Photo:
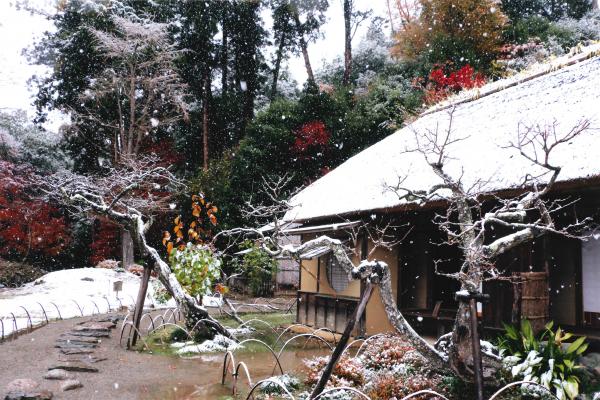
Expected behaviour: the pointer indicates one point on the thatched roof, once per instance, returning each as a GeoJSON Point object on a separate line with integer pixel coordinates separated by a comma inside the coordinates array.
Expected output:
{"type": "Point", "coordinates": [563, 93]}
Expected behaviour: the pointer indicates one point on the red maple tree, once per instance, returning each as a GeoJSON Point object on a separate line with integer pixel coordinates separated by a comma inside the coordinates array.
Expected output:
{"type": "Point", "coordinates": [28, 225]}
{"type": "Point", "coordinates": [443, 81]}
{"type": "Point", "coordinates": [311, 135]}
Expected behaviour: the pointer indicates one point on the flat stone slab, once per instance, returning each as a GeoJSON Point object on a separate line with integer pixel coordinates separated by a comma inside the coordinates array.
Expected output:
{"type": "Point", "coordinates": [58, 374]}
{"type": "Point", "coordinates": [79, 350]}
{"type": "Point", "coordinates": [74, 366]}
{"type": "Point", "coordinates": [26, 389]}
{"type": "Point", "coordinates": [85, 328]}
{"type": "Point", "coordinates": [81, 358]}
{"type": "Point", "coordinates": [22, 385]}
{"type": "Point", "coordinates": [33, 395]}
{"type": "Point", "coordinates": [71, 345]}
{"type": "Point", "coordinates": [77, 339]}
{"type": "Point", "coordinates": [70, 385]}
{"type": "Point", "coordinates": [96, 325]}
{"type": "Point", "coordinates": [97, 334]}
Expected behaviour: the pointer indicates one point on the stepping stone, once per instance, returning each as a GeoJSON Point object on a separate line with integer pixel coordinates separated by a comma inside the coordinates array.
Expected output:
{"type": "Point", "coordinates": [26, 389]}
{"type": "Point", "coordinates": [76, 351]}
{"type": "Point", "coordinates": [96, 325]}
{"type": "Point", "coordinates": [70, 385]}
{"type": "Point", "coordinates": [72, 345]}
{"type": "Point", "coordinates": [96, 334]}
{"type": "Point", "coordinates": [34, 395]}
{"type": "Point", "coordinates": [114, 318]}
{"type": "Point", "coordinates": [58, 374]}
{"type": "Point", "coordinates": [82, 358]}
{"type": "Point", "coordinates": [86, 328]}
{"type": "Point", "coordinates": [76, 366]}
{"type": "Point", "coordinates": [22, 385]}
{"type": "Point", "coordinates": [80, 339]}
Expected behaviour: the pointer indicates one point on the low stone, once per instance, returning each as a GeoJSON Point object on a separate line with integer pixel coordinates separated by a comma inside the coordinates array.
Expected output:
{"type": "Point", "coordinates": [75, 366]}
{"type": "Point", "coordinates": [90, 334]}
{"type": "Point", "coordinates": [57, 374]}
{"type": "Point", "coordinates": [76, 350]}
{"type": "Point", "coordinates": [82, 358]}
{"type": "Point", "coordinates": [70, 385]}
{"type": "Point", "coordinates": [33, 395]}
{"type": "Point", "coordinates": [22, 385]}
{"type": "Point", "coordinates": [71, 345]}
{"type": "Point", "coordinates": [97, 325]}
{"type": "Point", "coordinates": [78, 339]}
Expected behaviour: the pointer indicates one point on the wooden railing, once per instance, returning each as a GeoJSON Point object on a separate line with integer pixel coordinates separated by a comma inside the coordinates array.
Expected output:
{"type": "Point", "coordinates": [325, 311]}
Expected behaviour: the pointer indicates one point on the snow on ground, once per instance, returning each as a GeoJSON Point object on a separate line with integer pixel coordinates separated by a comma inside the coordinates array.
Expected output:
{"type": "Point", "coordinates": [73, 292]}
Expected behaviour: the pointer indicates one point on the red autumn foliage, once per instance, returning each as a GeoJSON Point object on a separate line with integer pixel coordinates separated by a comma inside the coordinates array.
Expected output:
{"type": "Point", "coordinates": [28, 225]}
{"type": "Point", "coordinates": [311, 135]}
{"type": "Point", "coordinates": [105, 241]}
{"type": "Point", "coordinates": [444, 82]}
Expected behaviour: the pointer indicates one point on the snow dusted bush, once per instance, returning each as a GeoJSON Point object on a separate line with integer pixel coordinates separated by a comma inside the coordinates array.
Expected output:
{"type": "Point", "coordinates": [219, 343]}
{"type": "Point", "coordinates": [582, 30]}
{"type": "Point", "coordinates": [385, 353]}
{"type": "Point", "coordinates": [347, 372]}
{"type": "Point", "coordinates": [291, 383]}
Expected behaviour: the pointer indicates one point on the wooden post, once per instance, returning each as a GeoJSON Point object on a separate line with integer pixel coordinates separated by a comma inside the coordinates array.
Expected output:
{"type": "Point", "coordinates": [471, 298]}
{"type": "Point", "coordinates": [139, 304]}
{"type": "Point", "coordinates": [477, 365]}
{"type": "Point", "coordinates": [337, 352]}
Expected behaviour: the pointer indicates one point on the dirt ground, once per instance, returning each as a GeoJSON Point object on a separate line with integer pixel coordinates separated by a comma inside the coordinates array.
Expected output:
{"type": "Point", "coordinates": [123, 375]}
{"type": "Point", "coordinates": [134, 375]}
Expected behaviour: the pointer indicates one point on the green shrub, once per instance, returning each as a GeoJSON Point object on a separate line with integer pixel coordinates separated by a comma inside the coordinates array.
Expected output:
{"type": "Point", "coordinates": [260, 268]}
{"type": "Point", "coordinates": [196, 268]}
{"type": "Point", "coordinates": [546, 358]}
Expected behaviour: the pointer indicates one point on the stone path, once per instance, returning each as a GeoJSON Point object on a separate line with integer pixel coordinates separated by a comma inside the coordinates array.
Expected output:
{"type": "Point", "coordinates": [79, 352]}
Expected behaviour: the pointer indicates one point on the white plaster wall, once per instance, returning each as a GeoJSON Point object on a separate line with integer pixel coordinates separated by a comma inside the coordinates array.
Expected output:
{"type": "Point", "coordinates": [591, 273]}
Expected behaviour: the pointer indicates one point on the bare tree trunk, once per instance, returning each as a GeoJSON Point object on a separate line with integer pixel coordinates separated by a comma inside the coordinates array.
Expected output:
{"type": "Point", "coordinates": [277, 66]}
{"type": "Point", "coordinates": [139, 304]}
{"type": "Point", "coordinates": [224, 54]}
{"type": "Point", "coordinates": [304, 48]}
{"type": "Point", "coordinates": [391, 18]}
{"type": "Point", "coordinates": [127, 254]}
{"type": "Point", "coordinates": [205, 120]}
{"type": "Point", "coordinates": [347, 42]}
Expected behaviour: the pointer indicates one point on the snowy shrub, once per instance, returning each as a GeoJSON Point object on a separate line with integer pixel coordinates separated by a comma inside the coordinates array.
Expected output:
{"type": "Point", "coordinates": [384, 353]}
{"type": "Point", "coordinates": [582, 30]}
{"type": "Point", "coordinates": [217, 344]}
{"type": "Point", "coordinates": [291, 383]}
{"type": "Point", "coordinates": [347, 372]}
{"type": "Point", "coordinates": [547, 358]}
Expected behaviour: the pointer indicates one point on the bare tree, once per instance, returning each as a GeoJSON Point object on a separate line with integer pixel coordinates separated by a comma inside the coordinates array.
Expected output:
{"type": "Point", "coordinates": [472, 228]}
{"type": "Point", "coordinates": [132, 195]}
{"type": "Point", "coordinates": [141, 83]}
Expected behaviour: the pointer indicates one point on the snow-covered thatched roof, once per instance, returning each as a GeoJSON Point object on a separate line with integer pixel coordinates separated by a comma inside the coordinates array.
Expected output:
{"type": "Point", "coordinates": [564, 94]}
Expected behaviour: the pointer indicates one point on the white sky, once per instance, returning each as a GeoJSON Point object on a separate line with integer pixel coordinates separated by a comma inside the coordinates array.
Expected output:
{"type": "Point", "coordinates": [18, 29]}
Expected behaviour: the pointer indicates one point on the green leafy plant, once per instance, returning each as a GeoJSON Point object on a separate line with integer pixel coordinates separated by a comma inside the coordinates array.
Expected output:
{"type": "Point", "coordinates": [547, 358]}
{"type": "Point", "coordinates": [259, 267]}
{"type": "Point", "coordinates": [196, 268]}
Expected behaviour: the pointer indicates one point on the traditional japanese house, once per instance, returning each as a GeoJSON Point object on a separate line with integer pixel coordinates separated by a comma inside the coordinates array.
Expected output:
{"type": "Point", "coordinates": [559, 277]}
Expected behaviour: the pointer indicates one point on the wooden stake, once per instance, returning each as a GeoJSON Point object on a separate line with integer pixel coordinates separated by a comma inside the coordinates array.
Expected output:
{"type": "Point", "coordinates": [139, 304]}
{"type": "Point", "coordinates": [337, 352]}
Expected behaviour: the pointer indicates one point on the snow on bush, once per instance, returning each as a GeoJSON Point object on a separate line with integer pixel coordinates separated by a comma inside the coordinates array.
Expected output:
{"type": "Point", "coordinates": [218, 343]}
